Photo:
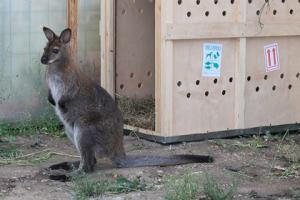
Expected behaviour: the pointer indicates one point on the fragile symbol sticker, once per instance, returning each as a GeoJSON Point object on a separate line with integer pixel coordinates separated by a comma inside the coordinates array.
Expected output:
{"type": "Point", "coordinates": [271, 57]}
{"type": "Point", "coordinates": [212, 56]}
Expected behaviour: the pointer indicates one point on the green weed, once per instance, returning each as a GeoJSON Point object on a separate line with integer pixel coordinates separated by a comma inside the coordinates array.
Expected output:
{"type": "Point", "coordinates": [11, 155]}
{"type": "Point", "coordinates": [190, 186]}
{"type": "Point", "coordinates": [46, 125]}
{"type": "Point", "coordinates": [184, 188]}
{"type": "Point", "coordinates": [83, 187]}
{"type": "Point", "coordinates": [292, 171]}
{"type": "Point", "coordinates": [228, 146]}
{"type": "Point", "coordinates": [257, 142]}
{"type": "Point", "coordinates": [295, 193]}
{"type": "Point", "coordinates": [214, 191]}
{"type": "Point", "coordinates": [288, 150]}
{"type": "Point", "coordinates": [9, 152]}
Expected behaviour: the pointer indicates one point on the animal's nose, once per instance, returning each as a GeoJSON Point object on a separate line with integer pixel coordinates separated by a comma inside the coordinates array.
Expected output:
{"type": "Point", "coordinates": [44, 60]}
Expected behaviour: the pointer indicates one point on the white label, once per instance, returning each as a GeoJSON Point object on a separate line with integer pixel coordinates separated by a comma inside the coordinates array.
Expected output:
{"type": "Point", "coordinates": [271, 57]}
{"type": "Point", "coordinates": [212, 56]}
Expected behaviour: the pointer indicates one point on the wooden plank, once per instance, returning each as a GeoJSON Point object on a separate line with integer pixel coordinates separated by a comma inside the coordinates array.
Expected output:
{"type": "Point", "coordinates": [166, 73]}
{"type": "Point", "coordinates": [135, 48]}
{"type": "Point", "coordinates": [73, 25]}
{"type": "Point", "coordinates": [141, 130]}
{"type": "Point", "coordinates": [158, 24]}
{"type": "Point", "coordinates": [271, 29]}
{"type": "Point", "coordinates": [203, 104]}
{"type": "Point", "coordinates": [272, 98]}
{"type": "Point", "coordinates": [107, 27]}
{"type": "Point", "coordinates": [240, 34]}
{"type": "Point", "coordinates": [207, 11]}
{"type": "Point", "coordinates": [154, 137]}
{"type": "Point", "coordinates": [266, 11]}
{"type": "Point", "coordinates": [202, 31]}
{"type": "Point", "coordinates": [240, 72]}
{"type": "Point", "coordinates": [229, 30]}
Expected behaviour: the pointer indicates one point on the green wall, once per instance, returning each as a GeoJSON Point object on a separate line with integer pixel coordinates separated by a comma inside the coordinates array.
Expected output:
{"type": "Point", "coordinates": [22, 85]}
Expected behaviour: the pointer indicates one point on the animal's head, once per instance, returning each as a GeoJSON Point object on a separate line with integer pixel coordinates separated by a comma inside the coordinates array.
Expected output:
{"type": "Point", "coordinates": [56, 47]}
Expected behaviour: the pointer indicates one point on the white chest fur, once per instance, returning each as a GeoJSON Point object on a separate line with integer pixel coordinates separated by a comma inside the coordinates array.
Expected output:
{"type": "Point", "coordinates": [57, 87]}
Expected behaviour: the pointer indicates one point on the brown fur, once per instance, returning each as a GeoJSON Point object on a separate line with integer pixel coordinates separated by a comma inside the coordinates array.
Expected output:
{"type": "Point", "coordinates": [92, 120]}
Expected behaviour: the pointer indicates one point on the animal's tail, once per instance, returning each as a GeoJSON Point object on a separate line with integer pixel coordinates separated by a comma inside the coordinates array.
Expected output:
{"type": "Point", "coordinates": [142, 161]}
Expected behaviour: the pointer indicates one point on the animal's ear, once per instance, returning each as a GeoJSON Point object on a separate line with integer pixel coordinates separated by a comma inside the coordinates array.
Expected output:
{"type": "Point", "coordinates": [50, 35]}
{"type": "Point", "coordinates": [65, 36]}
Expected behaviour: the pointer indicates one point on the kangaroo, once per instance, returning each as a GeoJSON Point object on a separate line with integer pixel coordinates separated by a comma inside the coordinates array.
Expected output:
{"type": "Point", "coordinates": [92, 120]}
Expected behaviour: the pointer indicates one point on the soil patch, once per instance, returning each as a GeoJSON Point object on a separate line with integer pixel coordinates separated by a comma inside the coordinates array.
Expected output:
{"type": "Point", "coordinates": [266, 167]}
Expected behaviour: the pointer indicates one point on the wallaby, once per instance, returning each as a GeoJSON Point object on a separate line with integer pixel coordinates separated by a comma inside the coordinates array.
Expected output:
{"type": "Point", "coordinates": [92, 120]}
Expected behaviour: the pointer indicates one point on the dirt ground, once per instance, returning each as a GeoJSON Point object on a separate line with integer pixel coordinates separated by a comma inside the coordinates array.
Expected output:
{"type": "Point", "coordinates": [266, 167]}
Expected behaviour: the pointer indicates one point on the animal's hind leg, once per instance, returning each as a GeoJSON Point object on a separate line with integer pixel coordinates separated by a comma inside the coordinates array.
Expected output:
{"type": "Point", "coordinates": [86, 147]}
{"type": "Point", "coordinates": [88, 160]}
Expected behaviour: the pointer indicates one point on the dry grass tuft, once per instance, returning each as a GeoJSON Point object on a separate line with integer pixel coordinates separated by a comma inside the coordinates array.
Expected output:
{"type": "Point", "coordinates": [138, 112]}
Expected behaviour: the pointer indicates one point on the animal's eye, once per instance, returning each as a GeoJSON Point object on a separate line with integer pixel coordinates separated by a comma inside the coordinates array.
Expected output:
{"type": "Point", "coordinates": [55, 50]}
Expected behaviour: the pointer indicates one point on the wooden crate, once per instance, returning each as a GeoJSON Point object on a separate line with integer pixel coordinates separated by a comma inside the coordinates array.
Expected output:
{"type": "Point", "coordinates": [245, 98]}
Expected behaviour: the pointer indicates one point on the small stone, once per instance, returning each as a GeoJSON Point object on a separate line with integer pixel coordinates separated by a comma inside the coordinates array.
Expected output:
{"type": "Point", "coordinates": [118, 198]}
{"type": "Point", "coordinates": [202, 197]}
{"type": "Point", "coordinates": [114, 176]}
{"type": "Point", "coordinates": [140, 173]}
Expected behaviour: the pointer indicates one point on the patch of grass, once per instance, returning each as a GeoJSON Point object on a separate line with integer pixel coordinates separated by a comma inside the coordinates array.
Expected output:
{"type": "Point", "coordinates": [292, 171]}
{"type": "Point", "coordinates": [11, 155]}
{"type": "Point", "coordinates": [190, 186]}
{"type": "Point", "coordinates": [214, 191]}
{"type": "Point", "coordinates": [273, 137]}
{"type": "Point", "coordinates": [84, 188]}
{"type": "Point", "coordinates": [46, 125]}
{"type": "Point", "coordinates": [9, 152]}
{"type": "Point", "coordinates": [8, 139]}
{"type": "Point", "coordinates": [288, 149]}
{"type": "Point", "coordinates": [295, 193]}
{"type": "Point", "coordinates": [289, 152]}
{"type": "Point", "coordinates": [257, 142]}
{"type": "Point", "coordinates": [123, 185]}
{"type": "Point", "coordinates": [185, 188]}
{"type": "Point", "coordinates": [138, 112]}
{"type": "Point", "coordinates": [228, 146]}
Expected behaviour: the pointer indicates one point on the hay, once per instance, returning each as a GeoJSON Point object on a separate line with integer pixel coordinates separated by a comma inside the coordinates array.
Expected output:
{"type": "Point", "coordinates": [138, 112]}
